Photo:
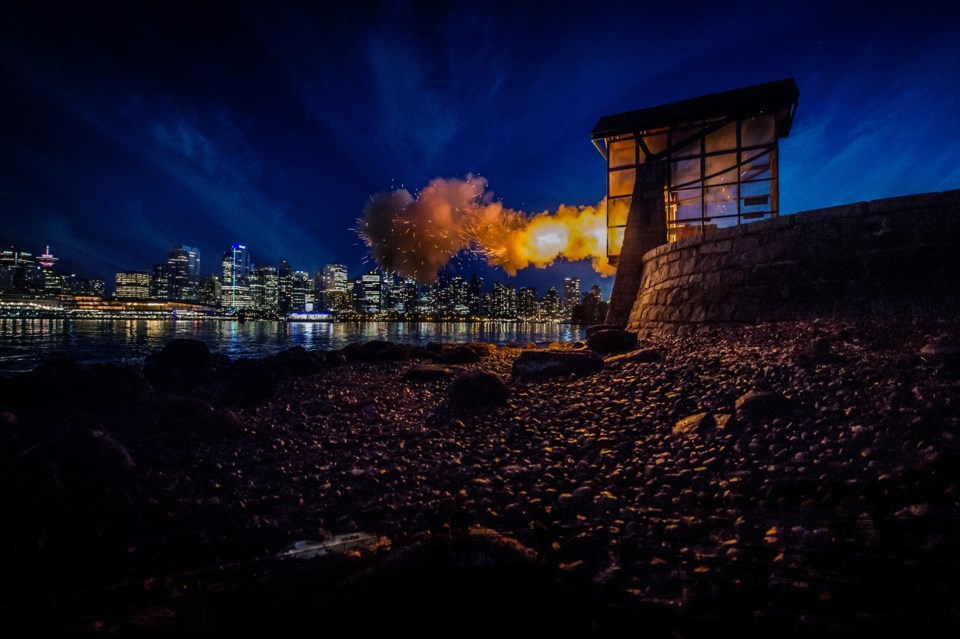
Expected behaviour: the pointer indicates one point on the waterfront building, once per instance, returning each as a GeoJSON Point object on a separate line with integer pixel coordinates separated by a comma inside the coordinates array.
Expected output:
{"type": "Point", "coordinates": [502, 301]}
{"type": "Point", "coordinates": [19, 272]}
{"type": "Point", "coordinates": [527, 303]}
{"type": "Point", "coordinates": [301, 294]}
{"type": "Point", "coordinates": [571, 295]}
{"type": "Point", "coordinates": [85, 287]}
{"type": "Point", "coordinates": [55, 283]}
{"type": "Point", "coordinates": [132, 285]}
{"type": "Point", "coordinates": [235, 279]}
{"type": "Point", "coordinates": [159, 282]}
{"type": "Point", "coordinates": [371, 284]}
{"type": "Point", "coordinates": [183, 273]}
{"type": "Point", "coordinates": [264, 290]}
{"type": "Point", "coordinates": [285, 285]}
{"type": "Point", "coordinates": [551, 306]}
{"type": "Point", "coordinates": [335, 287]}
{"type": "Point", "coordinates": [460, 296]}
{"type": "Point", "coordinates": [209, 291]}
{"type": "Point", "coordinates": [476, 296]}
{"type": "Point", "coordinates": [406, 297]}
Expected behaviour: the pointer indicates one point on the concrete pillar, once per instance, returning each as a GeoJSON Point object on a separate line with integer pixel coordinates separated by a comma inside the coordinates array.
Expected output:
{"type": "Point", "coordinates": [646, 229]}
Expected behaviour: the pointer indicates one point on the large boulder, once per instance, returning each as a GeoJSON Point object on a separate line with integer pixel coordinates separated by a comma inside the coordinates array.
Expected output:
{"type": "Point", "coordinates": [190, 354]}
{"type": "Point", "coordinates": [297, 361]}
{"type": "Point", "coordinates": [758, 405]}
{"type": "Point", "coordinates": [247, 382]}
{"type": "Point", "coordinates": [596, 328]}
{"type": "Point", "coordinates": [478, 390]}
{"type": "Point", "coordinates": [549, 363]}
{"type": "Point", "coordinates": [378, 350]}
{"type": "Point", "coordinates": [612, 340]}
{"type": "Point", "coordinates": [459, 355]}
{"type": "Point", "coordinates": [87, 461]}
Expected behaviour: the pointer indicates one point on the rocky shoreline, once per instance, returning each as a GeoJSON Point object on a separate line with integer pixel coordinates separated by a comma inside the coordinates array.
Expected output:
{"type": "Point", "coordinates": [798, 477]}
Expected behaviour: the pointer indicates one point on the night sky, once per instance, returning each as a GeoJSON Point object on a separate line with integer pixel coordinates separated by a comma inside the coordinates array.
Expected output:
{"type": "Point", "coordinates": [127, 130]}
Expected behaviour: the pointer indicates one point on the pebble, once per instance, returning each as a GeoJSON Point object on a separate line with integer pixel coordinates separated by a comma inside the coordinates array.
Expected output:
{"type": "Point", "coordinates": [370, 445]}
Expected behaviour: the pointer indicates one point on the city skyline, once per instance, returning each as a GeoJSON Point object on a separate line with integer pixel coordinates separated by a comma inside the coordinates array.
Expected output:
{"type": "Point", "coordinates": [55, 265]}
{"type": "Point", "coordinates": [33, 284]}
{"type": "Point", "coordinates": [132, 129]}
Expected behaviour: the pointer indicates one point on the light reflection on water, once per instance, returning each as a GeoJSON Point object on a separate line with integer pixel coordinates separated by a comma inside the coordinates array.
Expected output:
{"type": "Point", "coordinates": [26, 342]}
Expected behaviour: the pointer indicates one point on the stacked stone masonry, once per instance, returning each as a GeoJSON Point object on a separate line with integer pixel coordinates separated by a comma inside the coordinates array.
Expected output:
{"type": "Point", "coordinates": [847, 259]}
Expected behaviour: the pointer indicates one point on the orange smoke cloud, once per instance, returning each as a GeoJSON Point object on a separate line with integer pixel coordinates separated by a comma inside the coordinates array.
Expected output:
{"type": "Point", "coordinates": [416, 236]}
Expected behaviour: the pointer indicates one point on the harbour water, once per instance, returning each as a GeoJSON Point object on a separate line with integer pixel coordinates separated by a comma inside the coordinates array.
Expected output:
{"type": "Point", "coordinates": [24, 343]}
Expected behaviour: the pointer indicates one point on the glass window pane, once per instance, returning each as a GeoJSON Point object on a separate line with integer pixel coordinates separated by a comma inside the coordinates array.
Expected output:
{"type": "Point", "coordinates": [617, 210]}
{"type": "Point", "coordinates": [678, 135]}
{"type": "Point", "coordinates": [622, 153]}
{"type": "Point", "coordinates": [757, 131]}
{"type": "Point", "coordinates": [689, 204]}
{"type": "Point", "coordinates": [685, 171]}
{"type": "Point", "coordinates": [721, 167]}
{"type": "Point", "coordinates": [655, 143]}
{"type": "Point", "coordinates": [621, 182]}
{"type": "Point", "coordinates": [755, 167]}
{"type": "Point", "coordinates": [755, 199]}
{"type": "Point", "coordinates": [723, 139]}
{"type": "Point", "coordinates": [722, 201]}
{"type": "Point", "coordinates": [615, 240]}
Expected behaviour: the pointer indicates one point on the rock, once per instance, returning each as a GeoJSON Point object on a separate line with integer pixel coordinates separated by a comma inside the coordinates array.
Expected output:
{"type": "Point", "coordinates": [582, 494]}
{"type": "Point", "coordinates": [297, 361]}
{"type": "Point", "coordinates": [549, 363]}
{"type": "Point", "coordinates": [248, 382]}
{"type": "Point", "coordinates": [698, 424]}
{"type": "Point", "coordinates": [612, 340]}
{"type": "Point", "coordinates": [188, 415]}
{"type": "Point", "coordinates": [459, 355]}
{"type": "Point", "coordinates": [351, 352]}
{"type": "Point", "coordinates": [942, 347]}
{"type": "Point", "coordinates": [87, 461]}
{"type": "Point", "coordinates": [482, 348]}
{"type": "Point", "coordinates": [190, 354]}
{"type": "Point", "coordinates": [818, 352]}
{"type": "Point", "coordinates": [641, 356]}
{"type": "Point", "coordinates": [123, 384]}
{"type": "Point", "coordinates": [419, 352]}
{"type": "Point", "coordinates": [596, 328]}
{"type": "Point", "coordinates": [477, 390]}
{"type": "Point", "coordinates": [377, 350]}
{"type": "Point", "coordinates": [429, 373]}
{"type": "Point", "coordinates": [763, 405]}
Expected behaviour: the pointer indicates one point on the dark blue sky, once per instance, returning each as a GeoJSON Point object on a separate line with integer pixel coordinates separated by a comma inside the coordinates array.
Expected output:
{"type": "Point", "coordinates": [128, 129]}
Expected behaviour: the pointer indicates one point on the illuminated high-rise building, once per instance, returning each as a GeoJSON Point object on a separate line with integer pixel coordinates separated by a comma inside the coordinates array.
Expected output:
{"type": "Point", "coordinates": [336, 288]}
{"type": "Point", "coordinates": [20, 272]}
{"type": "Point", "coordinates": [502, 301]}
{"type": "Point", "coordinates": [300, 293]}
{"type": "Point", "coordinates": [571, 295]}
{"type": "Point", "coordinates": [210, 290]}
{"type": "Point", "coordinates": [477, 296]}
{"type": "Point", "coordinates": [372, 284]}
{"type": "Point", "coordinates": [235, 279]}
{"type": "Point", "coordinates": [285, 285]}
{"type": "Point", "coordinates": [183, 273]}
{"type": "Point", "coordinates": [527, 303]}
{"type": "Point", "coordinates": [133, 285]}
{"type": "Point", "coordinates": [159, 282]}
{"type": "Point", "coordinates": [550, 306]}
{"type": "Point", "coordinates": [264, 290]}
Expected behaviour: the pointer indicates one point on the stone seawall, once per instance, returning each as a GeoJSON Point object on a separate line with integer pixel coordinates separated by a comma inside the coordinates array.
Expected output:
{"type": "Point", "coordinates": [846, 259]}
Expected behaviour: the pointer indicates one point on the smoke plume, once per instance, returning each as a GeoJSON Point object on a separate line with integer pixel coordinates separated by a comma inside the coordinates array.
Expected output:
{"type": "Point", "coordinates": [415, 236]}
